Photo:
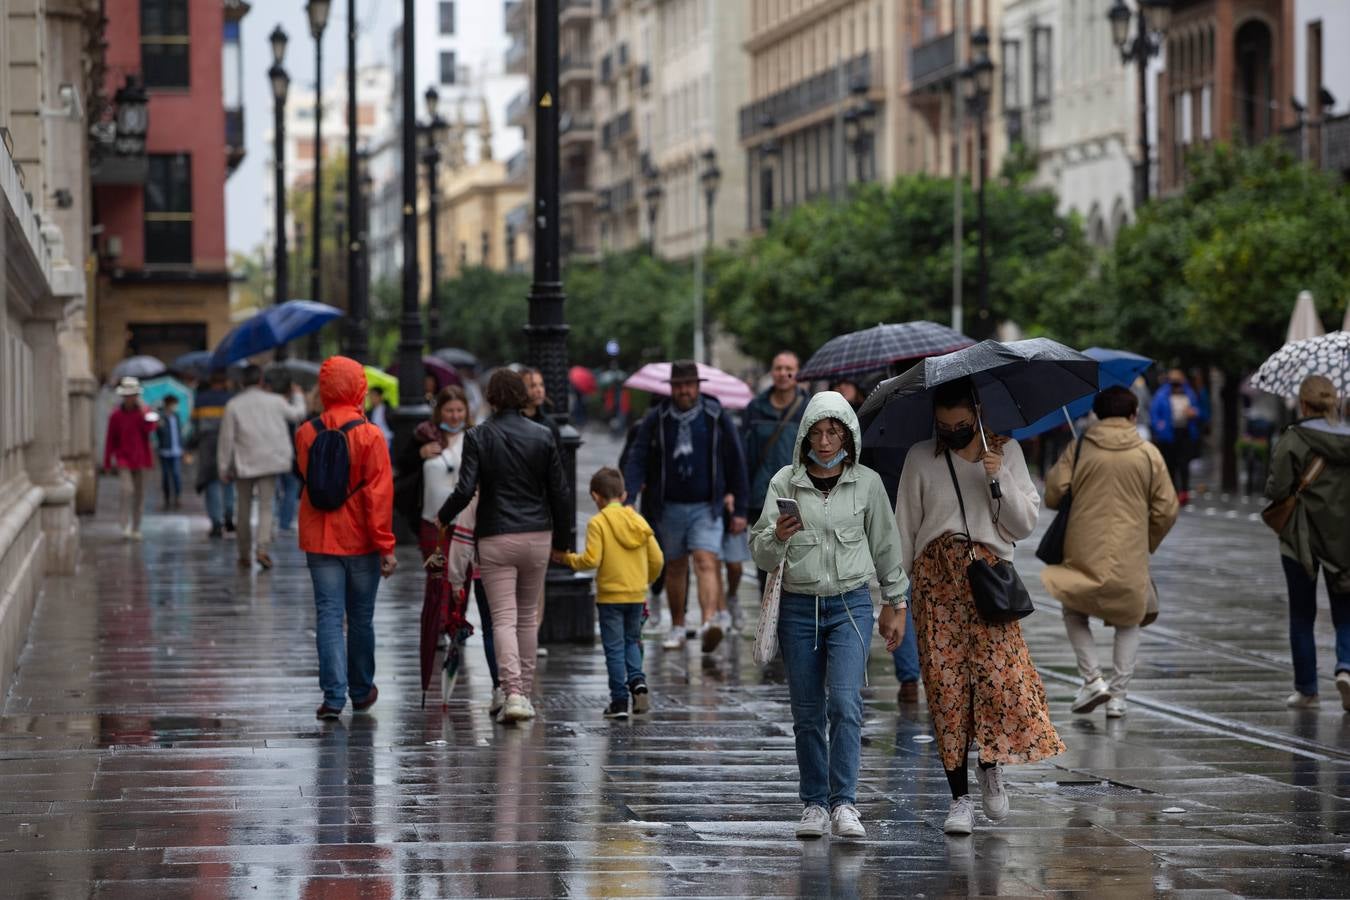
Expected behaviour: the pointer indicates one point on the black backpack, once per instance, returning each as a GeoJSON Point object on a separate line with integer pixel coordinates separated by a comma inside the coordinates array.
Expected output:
{"type": "Point", "coordinates": [330, 466]}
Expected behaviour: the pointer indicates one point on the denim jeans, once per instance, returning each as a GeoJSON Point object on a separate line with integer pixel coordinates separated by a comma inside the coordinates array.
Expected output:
{"type": "Point", "coordinates": [621, 635]}
{"type": "Point", "coordinates": [171, 477]}
{"type": "Point", "coordinates": [485, 620]}
{"type": "Point", "coordinates": [219, 502]}
{"type": "Point", "coordinates": [345, 586]}
{"type": "Point", "coordinates": [906, 656]}
{"type": "Point", "coordinates": [825, 643]}
{"type": "Point", "coordinates": [288, 500]}
{"type": "Point", "coordinates": [1302, 615]}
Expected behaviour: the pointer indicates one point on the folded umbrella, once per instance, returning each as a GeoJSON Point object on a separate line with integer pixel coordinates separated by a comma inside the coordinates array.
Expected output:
{"type": "Point", "coordinates": [1116, 368]}
{"type": "Point", "coordinates": [141, 367]}
{"type": "Point", "coordinates": [1017, 384]}
{"type": "Point", "coordinates": [879, 347]}
{"type": "Point", "coordinates": [730, 390]}
{"type": "Point", "coordinates": [272, 327]}
{"type": "Point", "coordinates": [1286, 368]}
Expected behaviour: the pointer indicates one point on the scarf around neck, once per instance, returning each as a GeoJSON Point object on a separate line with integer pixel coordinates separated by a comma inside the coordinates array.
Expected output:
{"type": "Point", "coordinates": [684, 438]}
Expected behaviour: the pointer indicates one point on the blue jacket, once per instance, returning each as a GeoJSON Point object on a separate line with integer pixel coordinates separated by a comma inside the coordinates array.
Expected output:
{"type": "Point", "coordinates": [762, 419]}
{"type": "Point", "coordinates": [1160, 415]}
{"type": "Point", "coordinates": [648, 459]}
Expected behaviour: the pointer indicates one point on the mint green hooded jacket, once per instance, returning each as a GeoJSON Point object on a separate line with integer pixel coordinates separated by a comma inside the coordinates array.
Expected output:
{"type": "Point", "coordinates": [846, 537]}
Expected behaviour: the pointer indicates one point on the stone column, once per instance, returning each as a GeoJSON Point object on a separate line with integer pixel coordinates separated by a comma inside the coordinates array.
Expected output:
{"type": "Point", "coordinates": [43, 456]}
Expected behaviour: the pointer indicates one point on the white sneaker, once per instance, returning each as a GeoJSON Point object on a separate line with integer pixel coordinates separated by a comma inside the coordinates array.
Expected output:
{"type": "Point", "coordinates": [993, 793]}
{"type": "Point", "coordinates": [126, 531]}
{"type": "Point", "coordinates": [1343, 685]}
{"type": "Point", "coordinates": [1298, 700]}
{"type": "Point", "coordinates": [674, 638]}
{"type": "Point", "coordinates": [1115, 708]}
{"type": "Point", "coordinates": [135, 535]}
{"type": "Point", "coordinates": [541, 653]}
{"type": "Point", "coordinates": [815, 822]}
{"type": "Point", "coordinates": [1090, 696]}
{"type": "Point", "coordinates": [516, 709]}
{"type": "Point", "coordinates": [961, 817]}
{"type": "Point", "coordinates": [723, 620]}
{"type": "Point", "coordinates": [847, 825]}
{"type": "Point", "coordinates": [529, 709]}
{"type": "Point", "coordinates": [498, 701]}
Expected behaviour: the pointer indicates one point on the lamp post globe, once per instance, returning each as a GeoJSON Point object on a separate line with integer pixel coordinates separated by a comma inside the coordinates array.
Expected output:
{"type": "Point", "coordinates": [317, 10]}
{"type": "Point", "coordinates": [1157, 14]}
{"type": "Point", "coordinates": [433, 101]}
{"type": "Point", "coordinates": [278, 40]}
{"type": "Point", "coordinates": [281, 82]}
{"type": "Point", "coordinates": [1119, 16]}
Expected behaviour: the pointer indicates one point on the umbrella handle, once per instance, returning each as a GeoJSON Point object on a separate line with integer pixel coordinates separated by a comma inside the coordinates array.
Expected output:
{"type": "Point", "coordinates": [995, 491]}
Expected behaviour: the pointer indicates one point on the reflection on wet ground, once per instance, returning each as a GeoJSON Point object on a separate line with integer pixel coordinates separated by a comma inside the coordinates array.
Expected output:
{"type": "Point", "coordinates": [159, 741]}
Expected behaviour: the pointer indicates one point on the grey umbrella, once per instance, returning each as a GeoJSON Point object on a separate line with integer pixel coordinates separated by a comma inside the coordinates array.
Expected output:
{"type": "Point", "coordinates": [880, 346]}
{"type": "Point", "coordinates": [138, 367]}
{"type": "Point", "coordinates": [1017, 383]}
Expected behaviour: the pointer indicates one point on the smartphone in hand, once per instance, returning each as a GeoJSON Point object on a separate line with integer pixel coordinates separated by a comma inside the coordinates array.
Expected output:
{"type": "Point", "coordinates": [789, 507]}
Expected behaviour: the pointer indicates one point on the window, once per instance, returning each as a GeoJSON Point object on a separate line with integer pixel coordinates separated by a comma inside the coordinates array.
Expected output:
{"type": "Point", "coordinates": [1012, 75]}
{"type": "Point", "coordinates": [447, 17]}
{"type": "Point", "coordinates": [447, 67]}
{"type": "Point", "coordinates": [164, 43]}
{"type": "Point", "coordinates": [168, 209]}
{"type": "Point", "coordinates": [1041, 76]}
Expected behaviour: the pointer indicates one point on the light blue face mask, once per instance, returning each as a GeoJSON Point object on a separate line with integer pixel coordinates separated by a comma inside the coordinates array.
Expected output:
{"type": "Point", "coordinates": [453, 429]}
{"type": "Point", "coordinates": [828, 463]}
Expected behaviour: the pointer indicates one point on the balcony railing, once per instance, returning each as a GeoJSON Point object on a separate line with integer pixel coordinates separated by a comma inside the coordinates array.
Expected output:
{"type": "Point", "coordinates": [616, 129]}
{"type": "Point", "coordinates": [933, 61]}
{"type": "Point", "coordinates": [576, 64]}
{"type": "Point", "coordinates": [1325, 144]}
{"type": "Point", "coordinates": [575, 8]}
{"type": "Point", "coordinates": [579, 124]}
{"type": "Point", "coordinates": [805, 97]}
{"type": "Point", "coordinates": [575, 182]}
{"type": "Point", "coordinates": [234, 138]}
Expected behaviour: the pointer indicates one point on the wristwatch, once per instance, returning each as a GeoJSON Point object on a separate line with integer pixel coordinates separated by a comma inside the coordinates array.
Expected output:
{"type": "Point", "coordinates": [899, 605]}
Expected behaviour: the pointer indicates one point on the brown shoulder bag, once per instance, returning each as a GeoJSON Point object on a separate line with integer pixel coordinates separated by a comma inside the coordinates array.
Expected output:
{"type": "Point", "coordinates": [1278, 513]}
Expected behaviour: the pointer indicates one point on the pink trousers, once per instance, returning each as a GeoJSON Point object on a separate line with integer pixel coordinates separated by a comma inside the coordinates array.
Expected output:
{"type": "Point", "coordinates": [514, 567]}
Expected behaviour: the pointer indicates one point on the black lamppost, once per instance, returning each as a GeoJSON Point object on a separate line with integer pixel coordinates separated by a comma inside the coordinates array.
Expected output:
{"type": "Point", "coordinates": [652, 195]}
{"type": "Point", "coordinates": [859, 122]}
{"type": "Point", "coordinates": [979, 79]}
{"type": "Point", "coordinates": [710, 178]}
{"type": "Point", "coordinates": [281, 83]}
{"type": "Point", "coordinates": [318, 20]}
{"type": "Point", "coordinates": [431, 155]}
{"type": "Point", "coordinates": [769, 152]}
{"type": "Point", "coordinates": [340, 240]}
{"type": "Point", "coordinates": [1151, 24]}
{"type": "Point", "coordinates": [357, 343]}
{"type": "Point", "coordinates": [412, 408]}
{"type": "Point", "coordinates": [359, 331]}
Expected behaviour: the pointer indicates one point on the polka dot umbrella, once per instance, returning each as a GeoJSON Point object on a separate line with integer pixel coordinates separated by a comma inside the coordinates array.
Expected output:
{"type": "Point", "coordinates": [1286, 368]}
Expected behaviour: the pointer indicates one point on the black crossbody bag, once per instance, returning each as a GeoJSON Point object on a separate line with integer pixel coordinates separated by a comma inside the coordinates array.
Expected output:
{"type": "Point", "coordinates": [1000, 596]}
{"type": "Point", "coordinates": [1051, 548]}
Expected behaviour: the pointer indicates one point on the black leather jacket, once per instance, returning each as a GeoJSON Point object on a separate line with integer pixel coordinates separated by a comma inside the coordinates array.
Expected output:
{"type": "Point", "coordinates": [515, 466]}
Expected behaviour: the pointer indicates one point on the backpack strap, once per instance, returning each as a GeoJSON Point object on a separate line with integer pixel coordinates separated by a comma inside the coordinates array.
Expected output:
{"type": "Point", "coordinates": [317, 422]}
{"type": "Point", "coordinates": [352, 424]}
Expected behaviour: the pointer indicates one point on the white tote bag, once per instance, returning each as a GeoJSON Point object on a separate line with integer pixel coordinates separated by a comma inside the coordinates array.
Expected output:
{"type": "Point", "coordinates": [766, 636]}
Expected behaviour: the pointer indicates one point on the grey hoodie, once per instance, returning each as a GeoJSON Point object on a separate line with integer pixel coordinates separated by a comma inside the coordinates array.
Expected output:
{"type": "Point", "coordinates": [845, 537]}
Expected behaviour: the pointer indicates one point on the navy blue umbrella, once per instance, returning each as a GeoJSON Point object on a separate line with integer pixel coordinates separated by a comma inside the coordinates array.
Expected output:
{"type": "Point", "coordinates": [1018, 383]}
{"type": "Point", "coordinates": [274, 326]}
{"type": "Point", "coordinates": [1116, 368]}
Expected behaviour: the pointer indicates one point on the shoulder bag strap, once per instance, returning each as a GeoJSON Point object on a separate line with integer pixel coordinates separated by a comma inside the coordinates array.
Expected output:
{"type": "Point", "coordinates": [1077, 453]}
{"type": "Point", "coordinates": [970, 542]}
{"type": "Point", "coordinates": [778, 432]}
{"type": "Point", "coordinates": [1315, 467]}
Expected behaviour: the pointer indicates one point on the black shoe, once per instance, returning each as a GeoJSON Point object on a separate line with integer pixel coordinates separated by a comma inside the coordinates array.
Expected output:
{"type": "Point", "coordinates": [327, 712]}
{"type": "Point", "coordinates": [369, 701]}
{"type": "Point", "coordinates": [617, 709]}
{"type": "Point", "coordinates": [229, 526]}
{"type": "Point", "coordinates": [216, 531]}
{"type": "Point", "coordinates": [642, 700]}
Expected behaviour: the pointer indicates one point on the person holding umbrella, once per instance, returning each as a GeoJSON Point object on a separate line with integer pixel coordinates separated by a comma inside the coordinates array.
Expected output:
{"type": "Point", "coordinates": [964, 492]}
{"type": "Point", "coordinates": [127, 451]}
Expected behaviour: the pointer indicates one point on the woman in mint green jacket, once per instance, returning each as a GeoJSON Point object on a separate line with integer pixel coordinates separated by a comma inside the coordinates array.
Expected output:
{"type": "Point", "coordinates": [845, 535]}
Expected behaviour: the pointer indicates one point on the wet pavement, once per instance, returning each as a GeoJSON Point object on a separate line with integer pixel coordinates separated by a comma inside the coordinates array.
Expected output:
{"type": "Point", "coordinates": [159, 741]}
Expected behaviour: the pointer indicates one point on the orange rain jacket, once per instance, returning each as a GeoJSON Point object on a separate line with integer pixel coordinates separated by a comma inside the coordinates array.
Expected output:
{"type": "Point", "coordinates": [365, 523]}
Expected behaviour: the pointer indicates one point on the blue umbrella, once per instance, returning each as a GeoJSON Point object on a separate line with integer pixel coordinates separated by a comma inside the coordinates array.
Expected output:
{"type": "Point", "coordinates": [272, 327]}
{"type": "Point", "coordinates": [155, 390]}
{"type": "Point", "coordinates": [1116, 368]}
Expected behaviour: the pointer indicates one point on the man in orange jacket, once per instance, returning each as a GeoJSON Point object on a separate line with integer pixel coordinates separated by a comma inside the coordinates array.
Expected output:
{"type": "Point", "coordinates": [351, 547]}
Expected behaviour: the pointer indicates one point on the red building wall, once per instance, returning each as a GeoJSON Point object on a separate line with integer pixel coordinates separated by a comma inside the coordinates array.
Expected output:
{"type": "Point", "coordinates": [188, 121]}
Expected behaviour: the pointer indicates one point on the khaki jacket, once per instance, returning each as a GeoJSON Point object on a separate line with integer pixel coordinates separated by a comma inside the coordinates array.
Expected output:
{"type": "Point", "coordinates": [1123, 506]}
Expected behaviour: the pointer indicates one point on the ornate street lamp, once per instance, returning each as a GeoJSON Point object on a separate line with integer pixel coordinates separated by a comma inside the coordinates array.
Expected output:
{"type": "Point", "coordinates": [318, 20]}
{"type": "Point", "coordinates": [281, 83]}
{"type": "Point", "coordinates": [133, 117]}
{"type": "Point", "coordinates": [979, 82]}
{"type": "Point", "coordinates": [769, 152]}
{"type": "Point", "coordinates": [653, 195]}
{"type": "Point", "coordinates": [431, 156]}
{"type": "Point", "coordinates": [357, 339]}
{"type": "Point", "coordinates": [1151, 24]}
{"type": "Point", "coordinates": [412, 409]}
{"type": "Point", "coordinates": [710, 178]}
{"type": "Point", "coordinates": [859, 126]}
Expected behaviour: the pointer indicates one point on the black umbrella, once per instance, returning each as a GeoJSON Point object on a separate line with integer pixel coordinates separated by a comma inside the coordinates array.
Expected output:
{"type": "Point", "coordinates": [1017, 383]}
{"type": "Point", "coordinates": [880, 346]}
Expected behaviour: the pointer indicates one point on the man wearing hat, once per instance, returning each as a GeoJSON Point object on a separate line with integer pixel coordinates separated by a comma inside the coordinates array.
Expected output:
{"type": "Point", "coordinates": [687, 462]}
{"type": "Point", "coordinates": [127, 451]}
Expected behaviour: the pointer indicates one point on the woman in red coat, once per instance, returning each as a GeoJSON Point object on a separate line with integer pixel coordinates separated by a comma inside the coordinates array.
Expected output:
{"type": "Point", "coordinates": [127, 450]}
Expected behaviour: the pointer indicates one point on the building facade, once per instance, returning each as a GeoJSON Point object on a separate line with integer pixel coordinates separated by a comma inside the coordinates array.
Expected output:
{"type": "Point", "coordinates": [1322, 85]}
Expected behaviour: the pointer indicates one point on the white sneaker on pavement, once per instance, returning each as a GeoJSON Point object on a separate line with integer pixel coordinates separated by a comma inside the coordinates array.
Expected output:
{"type": "Point", "coordinates": [529, 709]}
{"type": "Point", "coordinates": [847, 824]}
{"type": "Point", "coordinates": [993, 793]}
{"type": "Point", "coordinates": [1298, 700]}
{"type": "Point", "coordinates": [1090, 696]}
{"type": "Point", "coordinates": [1343, 685]}
{"type": "Point", "coordinates": [498, 700]}
{"type": "Point", "coordinates": [674, 638]}
{"type": "Point", "coordinates": [961, 817]}
{"type": "Point", "coordinates": [1115, 708]}
{"type": "Point", "coordinates": [815, 822]}
{"type": "Point", "coordinates": [516, 709]}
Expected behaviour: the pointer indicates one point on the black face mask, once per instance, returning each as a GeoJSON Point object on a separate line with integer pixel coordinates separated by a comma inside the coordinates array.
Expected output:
{"type": "Point", "coordinates": [957, 438]}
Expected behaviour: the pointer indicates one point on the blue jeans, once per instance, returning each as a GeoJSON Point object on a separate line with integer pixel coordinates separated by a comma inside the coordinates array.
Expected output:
{"type": "Point", "coordinates": [906, 656]}
{"type": "Point", "coordinates": [171, 477]}
{"type": "Point", "coordinates": [826, 662]}
{"type": "Point", "coordinates": [1302, 615]}
{"type": "Point", "coordinates": [219, 502]}
{"type": "Point", "coordinates": [345, 586]}
{"type": "Point", "coordinates": [485, 619]}
{"type": "Point", "coordinates": [288, 500]}
{"type": "Point", "coordinates": [621, 635]}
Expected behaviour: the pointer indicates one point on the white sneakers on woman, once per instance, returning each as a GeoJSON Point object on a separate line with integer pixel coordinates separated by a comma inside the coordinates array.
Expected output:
{"type": "Point", "coordinates": [516, 709]}
{"type": "Point", "coordinates": [993, 793]}
{"type": "Point", "coordinates": [815, 822]}
{"type": "Point", "coordinates": [961, 817]}
{"type": "Point", "coordinates": [1090, 696]}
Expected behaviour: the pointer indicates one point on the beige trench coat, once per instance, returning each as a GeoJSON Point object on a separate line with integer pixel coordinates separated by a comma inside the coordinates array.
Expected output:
{"type": "Point", "coordinates": [1123, 506]}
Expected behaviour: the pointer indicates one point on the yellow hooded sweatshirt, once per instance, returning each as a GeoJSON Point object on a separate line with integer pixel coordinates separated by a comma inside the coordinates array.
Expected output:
{"type": "Point", "coordinates": [622, 546]}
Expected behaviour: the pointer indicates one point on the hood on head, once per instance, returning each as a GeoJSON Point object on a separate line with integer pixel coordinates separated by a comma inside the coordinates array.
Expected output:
{"type": "Point", "coordinates": [1114, 434]}
{"type": "Point", "coordinates": [629, 528]}
{"type": "Point", "coordinates": [827, 405]}
{"type": "Point", "coordinates": [1331, 442]}
{"type": "Point", "coordinates": [342, 382]}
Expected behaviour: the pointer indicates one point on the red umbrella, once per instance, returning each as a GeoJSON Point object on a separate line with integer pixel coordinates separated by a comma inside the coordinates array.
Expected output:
{"type": "Point", "coordinates": [583, 379]}
{"type": "Point", "coordinates": [444, 611]}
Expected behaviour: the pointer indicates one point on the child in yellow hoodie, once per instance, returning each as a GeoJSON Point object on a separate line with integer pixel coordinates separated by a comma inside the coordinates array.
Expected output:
{"type": "Point", "coordinates": [622, 547]}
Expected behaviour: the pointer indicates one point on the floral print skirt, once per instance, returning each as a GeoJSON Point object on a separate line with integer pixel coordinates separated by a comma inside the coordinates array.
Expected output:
{"type": "Point", "coordinates": [980, 681]}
